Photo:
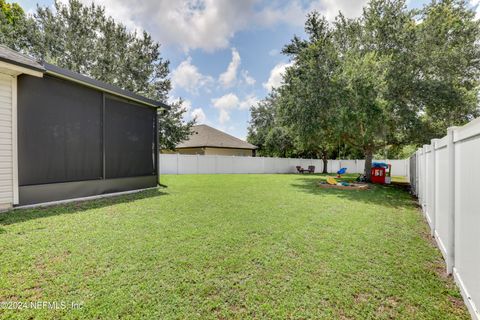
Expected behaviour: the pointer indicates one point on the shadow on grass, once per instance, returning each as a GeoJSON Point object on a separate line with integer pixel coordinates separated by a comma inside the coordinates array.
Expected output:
{"type": "Point", "coordinates": [393, 195]}
{"type": "Point", "coordinates": [21, 215]}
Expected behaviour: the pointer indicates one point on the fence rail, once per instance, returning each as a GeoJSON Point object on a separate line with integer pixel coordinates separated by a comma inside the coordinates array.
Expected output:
{"type": "Point", "coordinates": [199, 164]}
{"type": "Point", "coordinates": [446, 178]}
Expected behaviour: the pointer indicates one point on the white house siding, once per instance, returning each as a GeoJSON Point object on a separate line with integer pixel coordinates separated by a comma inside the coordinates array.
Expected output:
{"type": "Point", "coordinates": [6, 141]}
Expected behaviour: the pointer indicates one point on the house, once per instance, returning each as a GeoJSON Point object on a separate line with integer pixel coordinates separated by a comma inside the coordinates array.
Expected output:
{"type": "Point", "coordinates": [66, 136]}
{"type": "Point", "coordinates": [206, 140]}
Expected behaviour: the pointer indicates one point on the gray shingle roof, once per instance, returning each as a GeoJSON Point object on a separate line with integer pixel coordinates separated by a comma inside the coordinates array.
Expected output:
{"type": "Point", "coordinates": [21, 60]}
{"type": "Point", "coordinates": [13, 57]}
{"type": "Point", "coordinates": [206, 136]}
{"type": "Point", "coordinates": [52, 69]}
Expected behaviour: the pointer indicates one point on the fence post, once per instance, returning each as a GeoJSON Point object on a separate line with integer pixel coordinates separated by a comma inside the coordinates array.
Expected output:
{"type": "Point", "coordinates": [178, 162]}
{"type": "Point", "coordinates": [425, 169]}
{"type": "Point", "coordinates": [198, 165]}
{"type": "Point", "coordinates": [451, 199]}
{"type": "Point", "coordinates": [434, 184]}
{"type": "Point", "coordinates": [407, 169]}
{"type": "Point", "coordinates": [419, 159]}
{"type": "Point", "coordinates": [159, 165]}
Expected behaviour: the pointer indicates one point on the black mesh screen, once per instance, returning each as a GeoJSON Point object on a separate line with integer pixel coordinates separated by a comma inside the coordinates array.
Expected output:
{"type": "Point", "coordinates": [59, 131]}
{"type": "Point", "coordinates": [129, 139]}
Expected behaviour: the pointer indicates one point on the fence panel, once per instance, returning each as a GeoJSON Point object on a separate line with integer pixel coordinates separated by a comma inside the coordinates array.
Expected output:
{"type": "Point", "coordinates": [430, 187]}
{"type": "Point", "coordinates": [333, 166]}
{"type": "Point", "coordinates": [199, 164]}
{"type": "Point", "coordinates": [467, 216]}
{"type": "Point", "coordinates": [224, 164]}
{"type": "Point", "coordinates": [168, 163]}
{"type": "Point", "coordinates": [283, 165]}
{"type": "Point", "coordinates": [188, 164]}
{"type": "Point", "coordinates": [360, 166]}
{"type": "Point", "coordinates": [269, 165]}
{"type": "Point", "coordinates": [412, 175]}
{"type": "Point", "coordinates": [351, 165]}
{"type": "Point", "coordinates": [442, 198]}
{"type": "Point", "coordinates": [445, 180]}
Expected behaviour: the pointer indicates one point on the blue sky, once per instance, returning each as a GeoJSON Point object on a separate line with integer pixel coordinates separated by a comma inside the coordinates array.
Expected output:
{"type": "Point", "coordinates": [224, 54]}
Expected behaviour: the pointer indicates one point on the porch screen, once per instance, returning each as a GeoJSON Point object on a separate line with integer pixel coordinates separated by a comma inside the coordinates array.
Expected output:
{"type": "Point", "coordinates": [59, 131]}
{"type": "Point", "coordinates": [129, 139]}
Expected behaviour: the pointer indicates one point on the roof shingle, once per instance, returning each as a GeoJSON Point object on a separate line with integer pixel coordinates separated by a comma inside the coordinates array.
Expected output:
{"type": "Point", "coordinates": [16, 58]}
{"type": "Point", "coordinates": [206, 136]}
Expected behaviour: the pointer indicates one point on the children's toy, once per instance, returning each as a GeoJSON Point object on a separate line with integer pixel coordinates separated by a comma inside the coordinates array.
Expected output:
{"type": "Point", "coordinates": [331, 181]}
{"type": "Point", "coordinates": [361, 178]}
{"type": "Point", "coordinates": [341, 171]}
{"type": "Point", "coordinates": [381, 173]}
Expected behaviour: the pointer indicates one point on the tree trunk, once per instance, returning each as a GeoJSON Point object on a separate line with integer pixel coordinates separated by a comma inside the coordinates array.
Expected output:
{"type": "Point", "coordinates": [368, 164]}
{"type": "Point", "coordinates": [325, 161]}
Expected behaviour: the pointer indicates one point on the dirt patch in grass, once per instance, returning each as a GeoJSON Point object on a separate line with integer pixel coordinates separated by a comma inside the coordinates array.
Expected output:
{"type": "Point", "coordinates": [361, 297]}
{"type": "Point", "coordinates": [388, 308]}
{"type": "Point", "coordinates": [457, 302]}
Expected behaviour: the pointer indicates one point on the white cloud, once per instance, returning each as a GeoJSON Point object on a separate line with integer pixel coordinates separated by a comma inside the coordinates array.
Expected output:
{"type": "Point", "coordinates": [249, 80]}
{"type": "Point", "coordinates": [187, 24]}
{"type": "Point", "coordinates": [250, 100]}
{"type": "Point", "coordinates": [187, 105]}
{"type": "Point", "coordinates": [189, 114]}
{"type": "Point", "coordinates": [229, 77]}
{"type": "Point", "coordinates": [331, 7]}
{"type": "Point", "coordinates": [294, 12]}
{"type": "Point", "coordinates": [276, 76]}
{"type": "Point", "coordinates": [187, 76]}
{"type": "Point", "coordinates": [210, 24]}
{"type": "Point", "coordinates": [226, 103]}
{"type": "Point", "coordinates": [199, 115]}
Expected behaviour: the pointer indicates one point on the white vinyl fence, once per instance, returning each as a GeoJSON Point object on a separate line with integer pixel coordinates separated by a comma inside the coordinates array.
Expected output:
{"type": "Point", "coordinates": [198, 164]}
{"type": "Point", "coordinates": [447, 183]}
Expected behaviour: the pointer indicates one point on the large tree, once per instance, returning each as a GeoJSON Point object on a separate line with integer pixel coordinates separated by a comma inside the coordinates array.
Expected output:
{"type": "Point", "coordinates": [377, 77]}
{"type": "Point", "coordinates": [388, 80]}
{"type": "Point", "coordinates": [15, 28]}
{"type": "Point", "coordinates": [267, 133]}
{"type": "Point", "coordinates": [307, 100]}
{"type": "Point", "coordinates": [262, 120]}
{"type": "Point", "coordinates": [84, 39]}
{"type": "Point", "coordinates": [448, 60]}
{"type": "Point", "coordinates": [364, 115]}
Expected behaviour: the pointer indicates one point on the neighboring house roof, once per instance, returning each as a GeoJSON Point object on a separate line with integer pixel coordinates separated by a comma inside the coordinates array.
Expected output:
{"type": "Point", "coordinates": [206, 136]}
{"type": "Point", "coordinates": [11, 56]}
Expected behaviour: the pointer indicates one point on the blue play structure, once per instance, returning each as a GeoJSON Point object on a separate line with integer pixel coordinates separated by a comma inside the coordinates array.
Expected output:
{"type": "Point", "coordinates": [342, 171]}
{"type": "Point", "coordinates": [379, 165]}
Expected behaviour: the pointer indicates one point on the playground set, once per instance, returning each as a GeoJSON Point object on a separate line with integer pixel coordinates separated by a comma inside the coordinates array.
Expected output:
{"type": "Point", "coordinates": [380, 174]}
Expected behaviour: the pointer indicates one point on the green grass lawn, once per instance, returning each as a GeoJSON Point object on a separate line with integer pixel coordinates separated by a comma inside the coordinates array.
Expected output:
{"type": "Point", "coordinates": [228, 246]}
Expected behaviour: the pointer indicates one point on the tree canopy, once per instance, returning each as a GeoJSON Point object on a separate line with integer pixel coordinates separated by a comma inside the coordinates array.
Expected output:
{"type": "Point", "coordinates": [382, 83]}
{"type": "Point", "coordinates": [84, 39]}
